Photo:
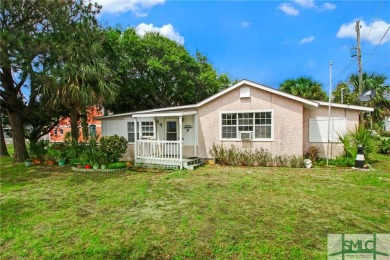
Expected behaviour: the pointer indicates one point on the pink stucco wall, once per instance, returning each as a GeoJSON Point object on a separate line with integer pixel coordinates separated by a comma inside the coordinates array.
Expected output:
{"type": "Point", "coordinates": [336, 148]}
{"type": "Point", "coordinates": [288, 125]}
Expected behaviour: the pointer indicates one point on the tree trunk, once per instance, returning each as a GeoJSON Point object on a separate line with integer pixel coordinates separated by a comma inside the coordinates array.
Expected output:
{"type": "Point", "coordinates": [16, 123]}
{"type": "Point", "coordinates": [3, 145]}
{"type": "Point", "coordinates": [74, 124]}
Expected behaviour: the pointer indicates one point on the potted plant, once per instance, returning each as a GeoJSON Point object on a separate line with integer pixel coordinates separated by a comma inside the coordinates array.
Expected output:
{"type": "Point", "coordinates": [58, 154]}
{"type": "Point", "coordinates": [49, 157]}
{"type": "Point", "coordinates": [84, 158]}
{"type": "Point", "coordinates": [28, 162]}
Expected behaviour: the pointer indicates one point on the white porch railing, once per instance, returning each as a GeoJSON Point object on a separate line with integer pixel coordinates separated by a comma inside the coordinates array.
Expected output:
{"type": "Point", "coordinates": [158, 150]}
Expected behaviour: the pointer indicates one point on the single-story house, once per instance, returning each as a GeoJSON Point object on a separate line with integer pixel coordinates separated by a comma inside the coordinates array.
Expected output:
{"type": "Point", "coordinates": [246, 115]}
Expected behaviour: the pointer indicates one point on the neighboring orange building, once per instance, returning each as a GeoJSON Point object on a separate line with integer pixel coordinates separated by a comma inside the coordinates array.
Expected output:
{"type": "Point", "coordinates": [58, 133]}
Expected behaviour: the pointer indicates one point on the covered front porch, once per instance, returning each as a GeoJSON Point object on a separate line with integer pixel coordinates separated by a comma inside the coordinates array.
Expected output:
{"type": "Point", "coordinates": [166, 139]}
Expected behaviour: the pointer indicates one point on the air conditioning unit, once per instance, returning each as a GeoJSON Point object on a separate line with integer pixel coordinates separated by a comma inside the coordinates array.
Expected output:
{"type": "Point", "coordinates": [246, 135]}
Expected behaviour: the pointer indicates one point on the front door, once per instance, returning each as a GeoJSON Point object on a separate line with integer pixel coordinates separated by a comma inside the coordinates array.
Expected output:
{"type": "Point", "coordinates": [171, 130]}
{"type": "Point", "coordinates": [172, 149]}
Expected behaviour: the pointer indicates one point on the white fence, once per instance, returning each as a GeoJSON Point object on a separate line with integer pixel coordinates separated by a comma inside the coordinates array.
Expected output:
{"type": "Point", "coordinates": [158, 150]}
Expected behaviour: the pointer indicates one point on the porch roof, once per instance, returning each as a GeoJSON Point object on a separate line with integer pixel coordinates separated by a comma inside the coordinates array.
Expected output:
{"type": "Point", "coordinates": [354, 107]}
{"type": "Point", "coordinates": [165, 114]}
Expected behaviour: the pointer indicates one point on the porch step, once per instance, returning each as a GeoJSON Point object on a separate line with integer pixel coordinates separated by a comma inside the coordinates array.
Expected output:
{"type": "Point", "coordinates": [191, 161]}
{"type": "Point", "coordinates": [194, 166]}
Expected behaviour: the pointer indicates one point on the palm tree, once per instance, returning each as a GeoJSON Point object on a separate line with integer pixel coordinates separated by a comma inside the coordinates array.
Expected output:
{"type": "Point", "coordinates": [304, 87]}
{"type": "Point", "coordinates": [343, 94]}
{"type": "Point", "coordinates": [377, 82]}
{"type": "Point", "coordinates": [85, 80]}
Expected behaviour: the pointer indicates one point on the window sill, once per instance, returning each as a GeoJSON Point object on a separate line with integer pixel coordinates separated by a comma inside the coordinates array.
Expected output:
{"type": "Point", "coordinates": [249, 140]}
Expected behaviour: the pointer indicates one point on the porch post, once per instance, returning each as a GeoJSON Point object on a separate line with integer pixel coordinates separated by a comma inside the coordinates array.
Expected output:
{"type": "Point", "coordinates": [195, 134]}
{"type": "Point", "coordinates": [181, 141]}
{"type": "Point", "coordinates": [135, 140]}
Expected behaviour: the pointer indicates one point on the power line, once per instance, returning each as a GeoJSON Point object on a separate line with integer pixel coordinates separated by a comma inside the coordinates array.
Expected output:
{"type": "Point", "coordinates": [341, 72]}
{"type": "Point", "coordinates": [372, 53]}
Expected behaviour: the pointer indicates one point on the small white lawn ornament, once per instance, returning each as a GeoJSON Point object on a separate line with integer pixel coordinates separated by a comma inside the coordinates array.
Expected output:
{"type": "Point", "coordinates": [308, 163]}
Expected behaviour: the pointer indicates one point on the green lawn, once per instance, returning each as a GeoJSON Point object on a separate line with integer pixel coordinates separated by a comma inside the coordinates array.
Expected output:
{"type": "Point", "coordinates": [213, 212]}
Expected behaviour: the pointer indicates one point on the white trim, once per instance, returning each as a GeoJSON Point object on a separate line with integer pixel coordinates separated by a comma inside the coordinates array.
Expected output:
{"type": "Point", "coordinates": [253, 136]}
{"type": "Point", "coordinates": [135, 131]}
{"type": "Point", "coordinates": [112, 116]}
{"type": "Point", "coordinates": [354, 107]}
{"type": "Point", "coordinates": [166, 114]}
{"type": "Point", "coordinates": [147, 137]}
{"type": "Point", "coordinates": [166, 128]}
{"type": "Point", "coordinates": [196, 133]}
{"type": "Point", "coordinates": [262, 87]}
{"type": "Point", "coordinates": [135, 139]}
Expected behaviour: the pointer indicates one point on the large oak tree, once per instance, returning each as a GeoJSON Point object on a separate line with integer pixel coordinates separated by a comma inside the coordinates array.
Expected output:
{"type": "Point", "coordinates": [34, 35]}
{"type": "Point", "coordinates": [154, 71]}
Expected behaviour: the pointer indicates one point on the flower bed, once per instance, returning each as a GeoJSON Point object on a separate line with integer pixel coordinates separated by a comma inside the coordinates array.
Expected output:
{"type": "Point", "coordinates": [96, 170]}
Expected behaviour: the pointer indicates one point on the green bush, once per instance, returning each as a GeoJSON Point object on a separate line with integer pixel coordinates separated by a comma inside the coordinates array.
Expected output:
{"type": "Point", "coordinates": [113, 147]}
{"type": "Point", "coordinates": [343, 161]}
{"type": "Point", "coordinates": [38, 149]}
{"type": "Point", "coordinates": [359, 136]}
{"type": "Point", "coordinates": [384, 145]}
{"type": "Point", "coordinates": [117, 165]}
{"type": "Point", "coordinates": [244, 157]}
{"type": "Point", "coordinates": [57, 151]}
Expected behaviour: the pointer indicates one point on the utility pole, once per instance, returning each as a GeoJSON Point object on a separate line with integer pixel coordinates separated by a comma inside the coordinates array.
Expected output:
{"type": "Point", "coordinates": [359, 56]}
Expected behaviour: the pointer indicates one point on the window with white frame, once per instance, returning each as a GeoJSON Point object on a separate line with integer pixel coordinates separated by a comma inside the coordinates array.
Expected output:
{"type": "Point", "coordinates": [130, 132]}
{"type": "Point", "coordinates": [144, 129]}
{"type": "Point", "coordinates": [259, 123]}
{"type": "Point", "coordinates": [147, 129]}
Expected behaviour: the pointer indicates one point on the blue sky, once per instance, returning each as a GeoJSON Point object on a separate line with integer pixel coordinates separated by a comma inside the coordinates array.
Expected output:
{"type": "Point", "coordinates": [267, 41]}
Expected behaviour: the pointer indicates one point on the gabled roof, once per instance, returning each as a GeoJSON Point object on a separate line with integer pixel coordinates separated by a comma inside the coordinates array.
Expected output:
{"type": "Point", "coordinates": [306, 102]}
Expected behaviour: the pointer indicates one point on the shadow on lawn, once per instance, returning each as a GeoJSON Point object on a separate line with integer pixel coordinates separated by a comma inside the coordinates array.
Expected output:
{"type": "Point", "coordinates": [12, 173]}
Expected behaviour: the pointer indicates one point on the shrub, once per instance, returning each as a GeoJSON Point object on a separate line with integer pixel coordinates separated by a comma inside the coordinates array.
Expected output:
{"type": "Point", "coordinates": [38, 149]}
{"type": "Point", "coordinates": [359, 136]}
{"type": "Point", "coordinates": [297, 162]}
{"type": "Point", "coordinates": [384, 146]}
{"type": "Point", "coordinates": [113, 147]}
{"type": "Point", "coordinates": [244, 157]}
{"type": "Point", "coordinates": [343, 161]}
{"type": "Point", "coordinates": [312, 153]}
{"type": "Point", "coordinates": [57, 151]}
{"type": "Point", "coordinates": [74, 149]}
{"type": "Point", "coordinates": [117, 165]}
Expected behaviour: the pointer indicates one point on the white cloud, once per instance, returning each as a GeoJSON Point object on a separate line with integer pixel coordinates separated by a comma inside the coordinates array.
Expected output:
{"type": "Point", "coordinates": [326, 6]}
{"type": "Point", "coordinates": [288, 9]}
{"type": "Point", "coordinates": [307, 40]}
{"type": "Point", "coordinates": [166, 30]}
{"type": "Point", "coordinates": [245, 24]}
{"type": "Point", "coordinates": [372, 32]}
{"type": "Point", "coordinates": [292, 8]}
{"type": "Point", "coordinates": [305, 3]}
{"type": "Point", "coordinates": [138, 7]}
